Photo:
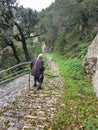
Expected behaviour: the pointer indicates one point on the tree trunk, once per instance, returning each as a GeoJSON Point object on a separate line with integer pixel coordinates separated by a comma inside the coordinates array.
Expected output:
{"type": "Point", "coordinates": [14, 51]}
{"type": "Point", "coordinates": [27, 57]}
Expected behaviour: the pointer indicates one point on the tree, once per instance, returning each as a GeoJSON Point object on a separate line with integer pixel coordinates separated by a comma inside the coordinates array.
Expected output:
{"type": "Point", "coordinates": [6, 41]}
{"type": "Point", "coordinates": [24, 19]}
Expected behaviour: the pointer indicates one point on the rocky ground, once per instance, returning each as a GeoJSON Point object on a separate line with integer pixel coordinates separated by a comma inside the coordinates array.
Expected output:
{"type": "Point", "coordinates": [34, 109]}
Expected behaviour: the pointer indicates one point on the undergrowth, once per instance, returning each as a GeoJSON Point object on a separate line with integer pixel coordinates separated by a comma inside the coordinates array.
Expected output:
{"type": "Point", "coordinates": [80, 103]}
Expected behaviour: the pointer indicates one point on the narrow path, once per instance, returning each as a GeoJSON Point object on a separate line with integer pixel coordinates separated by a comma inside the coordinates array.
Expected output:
{"type": "Point", "coordinates": [34, 110]}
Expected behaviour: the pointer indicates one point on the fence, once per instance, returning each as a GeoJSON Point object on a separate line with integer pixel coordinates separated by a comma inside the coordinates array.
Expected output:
{"type": "Point", "coordinates": [10, 74]}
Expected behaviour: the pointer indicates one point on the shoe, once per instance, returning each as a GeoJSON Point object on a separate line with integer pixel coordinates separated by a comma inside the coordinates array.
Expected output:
{"type": "Point", "coordinates": [39, 88]}
{"type": "Point", "coordinates": [35, 85]}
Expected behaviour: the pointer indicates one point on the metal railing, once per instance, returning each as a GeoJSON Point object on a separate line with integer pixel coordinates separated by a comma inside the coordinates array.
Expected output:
{"type": "Point", "coordinates": [10, 74]}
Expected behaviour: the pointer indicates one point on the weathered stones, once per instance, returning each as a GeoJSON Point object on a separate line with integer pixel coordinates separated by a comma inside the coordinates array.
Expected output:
{"type": "Point", "coordinates": [90, 66]}
{"type": "Point", "coordinates": [12, 128]}
{"type": "Point", "coordinates": [6, 93]}
{"type": "Point", "coordinates": [90, 63]}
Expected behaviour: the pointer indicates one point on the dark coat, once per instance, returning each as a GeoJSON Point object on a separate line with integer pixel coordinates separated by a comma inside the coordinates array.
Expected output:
{"type": "Point", "coordinates": [37, 67]}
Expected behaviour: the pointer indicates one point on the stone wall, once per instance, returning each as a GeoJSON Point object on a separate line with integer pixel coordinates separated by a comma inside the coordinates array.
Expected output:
{"type": "Point", "coordinates": [90, 63]}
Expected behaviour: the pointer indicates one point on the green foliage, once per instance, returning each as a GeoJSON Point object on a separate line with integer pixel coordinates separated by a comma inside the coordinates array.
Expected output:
{"type": "Point", "coordinates": [7, 60]}
{"type": "Point", "coordinates": [48, 72]}
{"type": "Point", "coordinates": [34, 47]}
{"type": "Point", "coordinates": [90, 123]}
{"type": "Point", "coordinates": [60, 44]}
{"type": "Point", "coordinates": [16, 24]}
{"type": "Point", "coordinates": [70, 17]}
{"type": "Point", "coordinates": [20, 52]}
{"type": "Point", "coordinates": [74, 68]}
{"type": "Point", "coordinates": [69, 67]}
{"type": "Point", "coordinates": [80, 111]}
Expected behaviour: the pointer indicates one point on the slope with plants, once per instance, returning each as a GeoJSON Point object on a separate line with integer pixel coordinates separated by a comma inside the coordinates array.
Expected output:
{"type": "Point", "coordinates": [69, 26]}
{"type": "Point", "coordinates": [80, 111]}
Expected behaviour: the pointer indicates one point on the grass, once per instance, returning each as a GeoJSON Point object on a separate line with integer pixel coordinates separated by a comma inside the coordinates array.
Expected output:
{"type": "Point", "coordinates": [48, 72]}
{"type": "Point", "coordinates": [80, 111]}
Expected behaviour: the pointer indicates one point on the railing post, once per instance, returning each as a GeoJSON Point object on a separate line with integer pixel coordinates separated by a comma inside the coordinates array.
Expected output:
{"type": "Point", "coordinates": [29, 80]}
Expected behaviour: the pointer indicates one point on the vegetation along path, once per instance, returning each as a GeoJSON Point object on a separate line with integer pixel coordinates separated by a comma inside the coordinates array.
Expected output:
{"type": "Point", "coordinates": [34, 110]}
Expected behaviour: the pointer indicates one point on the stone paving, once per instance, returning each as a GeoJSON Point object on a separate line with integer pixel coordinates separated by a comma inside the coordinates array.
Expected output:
{"type": "Point", "coordinates": [34, 109]}
{"type": "Point", "coordinates": [9, 92]}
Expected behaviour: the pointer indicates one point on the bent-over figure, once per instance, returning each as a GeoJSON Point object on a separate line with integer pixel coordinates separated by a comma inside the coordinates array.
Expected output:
{"type": "Point", "coordinates": [37, 67]}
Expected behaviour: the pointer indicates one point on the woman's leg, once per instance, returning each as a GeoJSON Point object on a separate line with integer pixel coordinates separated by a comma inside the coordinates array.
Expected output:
{"type": "Point", "coordinates": [40, 86]}
{"type": "Point", "coordinates": [35, 82]}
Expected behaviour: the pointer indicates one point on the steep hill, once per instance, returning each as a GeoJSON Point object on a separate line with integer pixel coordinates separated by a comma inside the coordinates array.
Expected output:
{"type": "Point", "coordinates": [69, 26]}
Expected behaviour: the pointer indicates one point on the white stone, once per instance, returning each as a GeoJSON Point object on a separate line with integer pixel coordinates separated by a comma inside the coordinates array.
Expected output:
{"type": "Point", "coordinates": [12, 128]}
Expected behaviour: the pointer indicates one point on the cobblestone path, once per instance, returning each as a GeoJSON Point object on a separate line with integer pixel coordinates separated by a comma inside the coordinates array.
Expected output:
{"type": "Point", "coordinates": [34, 109]}
{"type": "Point", "coordinates": [9, 92]}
